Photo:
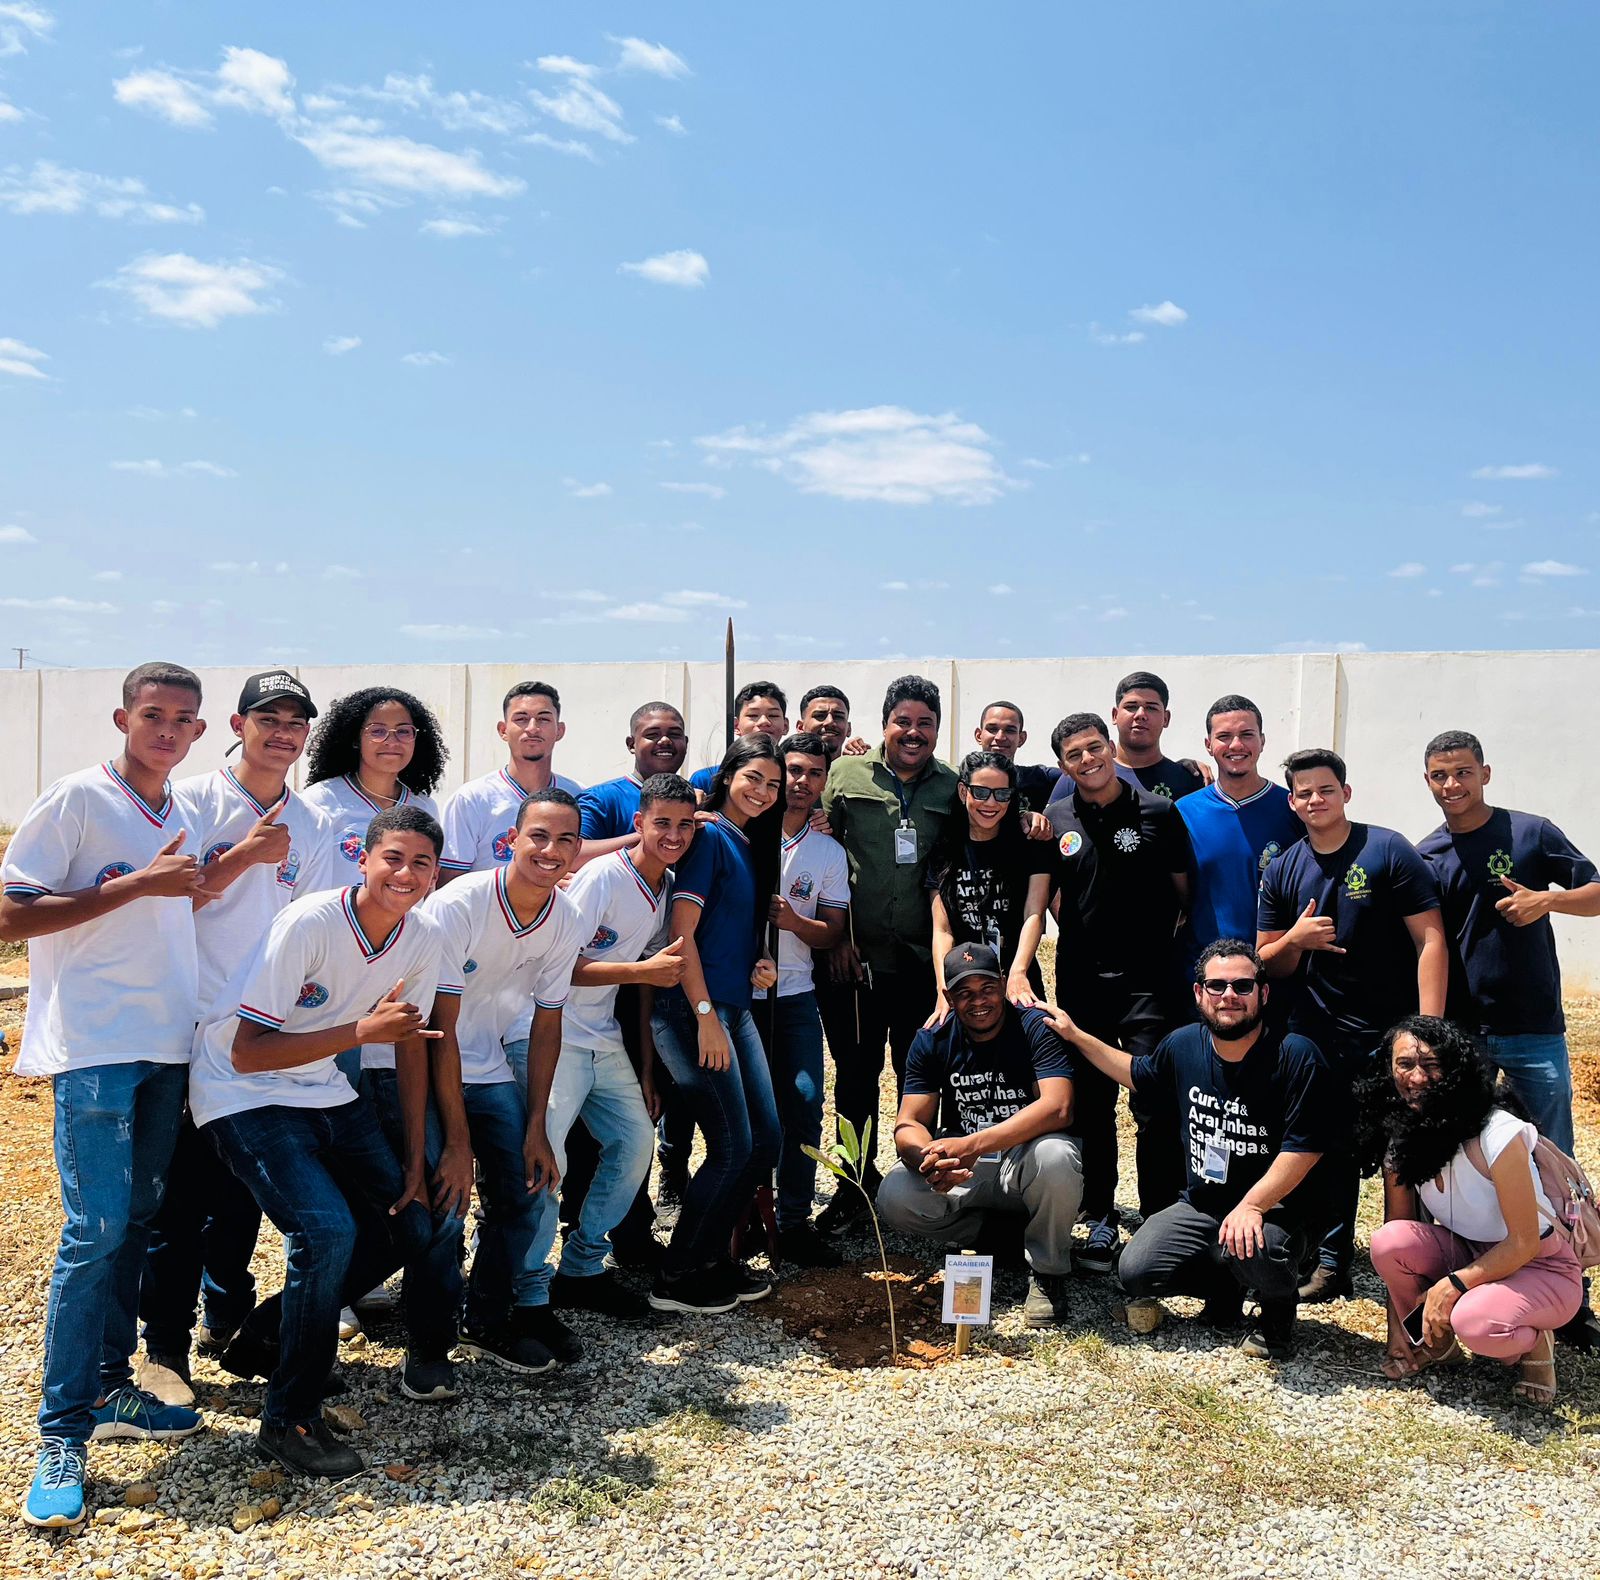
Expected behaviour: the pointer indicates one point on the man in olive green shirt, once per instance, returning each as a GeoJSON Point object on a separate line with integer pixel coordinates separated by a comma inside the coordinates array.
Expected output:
{"type": "Point", "coordinates": [888, 809]}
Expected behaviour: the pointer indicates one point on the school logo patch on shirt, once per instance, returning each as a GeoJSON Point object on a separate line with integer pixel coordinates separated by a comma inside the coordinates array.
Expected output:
{"type": "Point", "coordinates": [1500, 864]}
{"type": "Point", "coordinates": [351, 844]}
{"type": "Point", "coordinates": [503, 843]}
{"type": "Point", "coordinates": [469, 968]}
{"type": "Point", "coordinates": [221, 848]}
{"type": "Point", "coordinates": [1355, 881]}
{"type": "Point", "coordinates": [112, 869]}
{"type": "Point", "coordinates": [803, 887]}
{"type": "Point", "coordinates": [1126, 840]}
{"type": "Point", "coordinates": [1273, 848]}
{"type": "Point", "coordinates": [1162, 790]}
{"type": "Point", "coordinates": [289, 869]}
{"type": "Point", "coordinates": [604, 938]}
{"type": "Point", "coordinates": [312, 995]}
{"type": "Point", "coordinates": [1071, 842]}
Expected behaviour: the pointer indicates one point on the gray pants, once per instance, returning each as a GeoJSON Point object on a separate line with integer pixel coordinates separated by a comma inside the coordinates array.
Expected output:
{"type": "Point", "coordinates": [1042, 1178]}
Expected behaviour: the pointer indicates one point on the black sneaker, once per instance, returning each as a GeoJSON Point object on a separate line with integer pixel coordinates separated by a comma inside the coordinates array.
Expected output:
{"type": "Point", "coordinates": [1271, 1336]}
{"type": "Point", "coordinates": [847, 1208]}
{"type": "Point", "coordinates": [1224, 1310]}
{"type": "Point", "coordinates": [805, 1247]}
{"type": "Point", "coordinates": [600, 1292]}
{"type": "Point", "coordinates": [508, 1346]}
{"type": "Point", "coordinates": [430, 1381]}
{"type": "Point", "coordinates": [700, 1291]}
{"type": "Point", "coordinates": [1098, 1254]}
{"type": "Point", "coordinates": [310, 1450]}
{"type": "Point", "coordinates": [746, 1282]}
{"type": "Point", "coordinates": [640, 1252]}
{"type": "Point", "coordinates": [541, 1323]}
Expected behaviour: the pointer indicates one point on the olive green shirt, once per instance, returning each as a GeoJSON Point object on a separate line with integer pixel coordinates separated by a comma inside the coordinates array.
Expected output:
{"type": "Point", "coordinates": [865, 801]}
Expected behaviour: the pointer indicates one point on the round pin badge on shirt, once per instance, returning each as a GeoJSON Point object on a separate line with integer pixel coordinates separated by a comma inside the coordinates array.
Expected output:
{"type": "Point", "coordinates": [1071, 842]}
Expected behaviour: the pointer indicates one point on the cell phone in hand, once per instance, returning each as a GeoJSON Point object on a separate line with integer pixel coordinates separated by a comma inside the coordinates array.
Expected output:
{"type": "Point", "coordinates": [1412, 1323]}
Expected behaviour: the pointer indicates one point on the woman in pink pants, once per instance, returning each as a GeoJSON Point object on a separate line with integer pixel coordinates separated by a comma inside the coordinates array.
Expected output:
{"type": "Point", "coordinates": [1486, 1263]}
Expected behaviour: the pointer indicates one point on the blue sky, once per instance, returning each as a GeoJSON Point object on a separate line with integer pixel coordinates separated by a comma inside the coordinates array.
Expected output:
{"type": "Point", "coordinates": [555, 332]}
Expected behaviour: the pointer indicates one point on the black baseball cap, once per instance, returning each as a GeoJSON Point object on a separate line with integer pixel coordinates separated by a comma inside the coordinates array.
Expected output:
{"type": "Point", "coordinates": [970, 960]}
{"type": "Point", "coordinates": [270, 686]}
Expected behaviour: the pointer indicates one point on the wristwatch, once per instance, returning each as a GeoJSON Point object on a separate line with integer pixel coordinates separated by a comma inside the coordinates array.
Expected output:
{"type": "Point", "coordinates": [703, 1007]}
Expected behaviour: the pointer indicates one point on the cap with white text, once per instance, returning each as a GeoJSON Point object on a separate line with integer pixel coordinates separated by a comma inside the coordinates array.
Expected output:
{"type": "Point", "coordinates": [272, 685]}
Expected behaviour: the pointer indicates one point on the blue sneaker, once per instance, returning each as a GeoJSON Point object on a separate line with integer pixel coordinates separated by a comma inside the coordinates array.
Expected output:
{"type": "Point", "coordinates": [130, 1412]}
{"type": "Point", "coordinates": [55, 1500]}
{"type": "Point", "coordinates": [1099, 1253]}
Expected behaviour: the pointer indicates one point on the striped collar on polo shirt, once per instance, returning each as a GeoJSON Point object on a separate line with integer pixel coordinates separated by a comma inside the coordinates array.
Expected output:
{"type": "Point", "coordinates": [156, 816]}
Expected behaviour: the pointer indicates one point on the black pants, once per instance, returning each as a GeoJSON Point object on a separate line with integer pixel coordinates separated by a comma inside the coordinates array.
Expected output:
{"type": "Point", "coordinates": [1176, 1252]}
{"type": "Point", "coordinates": [1333, 1187]}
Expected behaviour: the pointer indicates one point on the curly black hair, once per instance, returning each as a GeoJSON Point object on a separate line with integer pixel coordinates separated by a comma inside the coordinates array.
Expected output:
{"type": "Point", "coordinates": [335, 748]}
{"type": "Point", "coordinates": [1416, 1143]}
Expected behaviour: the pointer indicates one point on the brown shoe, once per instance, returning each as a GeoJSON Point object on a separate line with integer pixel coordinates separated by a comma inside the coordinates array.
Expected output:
{"type": "Point", "coordinates": [1324, 1285]}
{"type": "Point", "coordinates": [167, 1377]}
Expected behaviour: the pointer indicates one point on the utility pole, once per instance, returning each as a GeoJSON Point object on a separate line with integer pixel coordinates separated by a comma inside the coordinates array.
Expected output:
{"type": "Point", "coordinates": [21, 653]}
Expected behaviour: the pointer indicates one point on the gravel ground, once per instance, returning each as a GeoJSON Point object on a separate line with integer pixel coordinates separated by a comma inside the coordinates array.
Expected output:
{"type": "Point", "coordinates": [728, 1447]}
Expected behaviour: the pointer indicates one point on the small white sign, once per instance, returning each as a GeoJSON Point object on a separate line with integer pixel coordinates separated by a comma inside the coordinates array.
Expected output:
{"type": "Point", "coordinates": [968, 1281]}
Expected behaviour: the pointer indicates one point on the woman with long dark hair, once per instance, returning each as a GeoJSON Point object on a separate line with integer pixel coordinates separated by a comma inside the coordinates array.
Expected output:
{"type": "Point", "coordinates": [704, 1032]}
{"type": "Point", "coordinates": [1485, 1262]}
{"type": "Point", "coordinates": [992, 883]}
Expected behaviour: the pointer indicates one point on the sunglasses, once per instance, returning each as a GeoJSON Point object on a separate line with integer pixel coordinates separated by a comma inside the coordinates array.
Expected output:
{"type": "Point", "coordinates": [999, 795]}
{"type": "Point", "coordinates": [382, 732]}
{"type": "Point", "coordinates": [1243, 986]}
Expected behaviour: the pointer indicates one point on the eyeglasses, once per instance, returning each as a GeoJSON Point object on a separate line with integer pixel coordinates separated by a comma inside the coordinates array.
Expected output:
{"type": "Point", "coordinates": [382, 732]}
{"type": "Point", "coordinates": [1243, 986]}
{"type": "Point", "coordinates": [998, 794]}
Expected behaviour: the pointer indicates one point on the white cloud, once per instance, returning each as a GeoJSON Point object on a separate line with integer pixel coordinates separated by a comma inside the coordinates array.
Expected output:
{"type": "Point", "coordinates": [165, 95]}
{"type": "Point", "coordinates": [50, 188]}
{"type": "Point", "coordinates": [1109, 337]}
{"type": "Point", "coordinates": [565, 66]}
{"type": "Point", "coordinates": [455, 111]}
{"type": "Point", "coordinates": [1409, 569]}
{"type": "Point", "coordinates": [10, 113]}
{"type": "Point", "coordinates": [1168, 314]}
{"type": "Point", "coordinates": [1116, 612]}
{"type": "Point", "coordinates": [660, 613]}
{"type": "Point", "coordinates": [894, 587]}
{"type": "Point", "coordinates": [340, 345]}
{"type": "Point", "coordinates": [671, 123]}
{"type": "Point", "coordinates": [883, 453]}
{"type": "Point", "coordinates": [20, 21]}
{"type": "Point", "coordinates": [563, 145]}
{"type": "Point", "coordinates": [181, 469]}
{"type": "Point", "coordinates": [425, 359]}
{"type": "Point", "coordinates": [255, 83]}
{"type": "Point", "coordinates": [1321, 647]}
{"type": "Point", "coordinates": [710, 490]}
{"type": "Point", "coordinates": [577, 490]}
{"type": "Point", "coordinates": [451, 229]}
{"type": "Point", "coordinates": [1476, 510]}
{"type": "Point", "coordinates": [450, 633]}
{"type": "Point", "coordinates": [578, 595]}
{"type": "Point", "coordinates": [58, 605]}
{"type": "Point", "coordinates": [1544, 568]}
{"type": "Point", "coordinates": [1081, 458]}
{"type": "Point", "coordinates": [249, 568]}
{"type": "Point", "coordinates": [183, 290]}
{"type": "Point", "coordinates": [155, 414]}
{"type": "Point", "coordinates": [389, 160]}
{"type": "Point", "coordinates": [106, 576]}
{"type": "Point", "coordinates": [637, 55]}
{"type": "Point", "coordinates": [1002, 590]}
{"type": "Point", "coordinates": [583, 107]}
{"type": "Point", "coordinates": [206, 469]}
{"type": "Point", "coordinates": [1529, 471]}
{"type": "Point", "coordinates": [683, 268]}
{"type": "Point", "coordinates": [21, 360]}
{"type": "Point", "coordinates": [340, 573]}
{"type": "Point", "coordinates": [688, 598]}
{"type": "Point", "coordinates": [15, 534]}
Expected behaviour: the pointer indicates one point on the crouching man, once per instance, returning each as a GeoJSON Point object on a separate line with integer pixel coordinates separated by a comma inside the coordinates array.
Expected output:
{"type": "Point", "coordinates": [1002, 1081]}
{"type": "Point", "coordinates": [1258, 1109]}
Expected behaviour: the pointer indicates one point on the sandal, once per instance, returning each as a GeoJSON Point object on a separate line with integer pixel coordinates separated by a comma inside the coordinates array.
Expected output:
{"type": "Point", "coordinates": [1536, 1373]}
{"type": "Point", "coordinates": [1451, 1355]}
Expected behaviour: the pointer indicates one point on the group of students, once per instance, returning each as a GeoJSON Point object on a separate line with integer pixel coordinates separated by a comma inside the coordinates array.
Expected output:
{"type": "Point", "coordinates": [340, 1010]}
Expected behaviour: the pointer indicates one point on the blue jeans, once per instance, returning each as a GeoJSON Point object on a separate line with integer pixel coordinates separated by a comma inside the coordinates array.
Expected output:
{"type": "Point", "coordinates": [497, 1121]}
{"type": "Point", "coordinates": [736, 1113]}
{"type": "Point", "coordinates": [200, 1248]}
{"type": "Point", "coordinates": [115, 1127]}
{"type": "Point", "coordinates": [1540, 1074]}
{"type": "Point", "coordinates": [795, 1058]}
{"type": "Point", "coordinates": [601, 1087]}
{"type": "Point", "coordinates": [327, 1179]}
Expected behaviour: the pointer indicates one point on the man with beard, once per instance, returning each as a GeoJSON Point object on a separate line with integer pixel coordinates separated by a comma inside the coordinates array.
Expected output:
{"type": "Point", "coordinates": [1255, 1108]}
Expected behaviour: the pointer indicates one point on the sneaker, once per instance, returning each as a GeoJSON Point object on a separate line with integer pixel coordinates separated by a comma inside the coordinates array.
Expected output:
{"type": "Point", "coordinates": [428, 1380]}
{"type": "Point", "coordinates": [55, 1500]}
{"type": "Point", "coordinates": [1143, 1316]}
{"type": "Point", "coordinates": [599, 1292]}
{"type": "Point", "coordinates": [700, 1291]}
{"type": "Point", "coordinates": [1271, 1336]}
{"type": "Point", "coordinates": [130, 1412]}
{"type": "Point", "coordinates": [1046, 1304]}
{"type": "Point", "coordinates": [508, 1346]}
{"type": "Point", "coordinates": [748, 1284]}
{"type": "Point", "coordinates": [248, 1357]}
{"type": "Point", "coordinates": [804, 1246]}
{"type": "Point", "coordinates": [670, 1191]}
{"type": "Point", "coordinates": [1326, 1284]}
{"type": "Point", "coordinates": [309, 1450]}
{"type": "Point", "coordinates": [642, 1252]}
{"type": "Point", "coordinates": [550, 1331]}
{"type": "Point", "coordinates": [349, 1324]}
{"type": "Point", "coordinates": [847, 1208]}
{"type": "Point", "coordinates": [1099, 1253]}
{"type": "Point", "coordinates": [376, 1302]}
{"type": "Point", "coordinates": [165, 1376]}
{"type": "Point", "coordinates": [212, 1341]}
{"type": "Point", "coordinates": [1223, 1310]}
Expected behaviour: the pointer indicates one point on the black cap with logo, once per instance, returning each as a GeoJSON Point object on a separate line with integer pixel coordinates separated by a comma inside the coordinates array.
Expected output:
{"type": "Point", "coordinates": [271, 685]}
{"type": "Point", "coordinates": [970, 960]}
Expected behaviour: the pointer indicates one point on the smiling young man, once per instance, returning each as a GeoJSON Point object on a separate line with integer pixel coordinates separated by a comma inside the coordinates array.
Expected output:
{"type": "Point", "coordinates": [1257, 1110]}
{"type": "Point", "coordinates": [508, 942]}
{"type": "Point", "coordinates": [98, 880]}
{"type": "Point", "coordinates": [1000, 729]}
{"type": "Point", "coordinates": [996, 1084]}
{"type": "Point", "coordinates": [1122, 884]}
{"type": "Point", "coordinates": [479, 818]}
{"type": "Point", "coordinates": [1351, 912]}
{"type": "Point", "coordinates": [336, 970]}
{"type": "Point", "coordinates": [659, 743]}
{"type": "Point", "coordinates": [261, 846]}
{"type": "Point", "coordinates": [888, 809]}
{"type": "Point", "coordinates": [758, 709]}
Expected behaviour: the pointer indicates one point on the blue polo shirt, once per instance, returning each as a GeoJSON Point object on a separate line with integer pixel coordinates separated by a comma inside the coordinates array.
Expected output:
{"type": "Point", "coordinates": [701, 778]}
{"type": "Point", "coordinates": [1504, 980]}
{"type": "Point", "coordinates": [1233, 843]}
{"type": "Point", "coordinates": [607, 809]}
{"type": "Point", "coordinates": [719, 876]}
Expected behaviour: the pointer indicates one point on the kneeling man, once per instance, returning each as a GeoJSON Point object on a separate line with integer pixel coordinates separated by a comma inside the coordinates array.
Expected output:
{"type": "Point", "coordinates": [1002, 1080]}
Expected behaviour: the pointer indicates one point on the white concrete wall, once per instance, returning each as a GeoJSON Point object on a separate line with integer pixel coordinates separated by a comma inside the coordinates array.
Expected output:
{"type": "Point", "coordinates": [1534, 712]}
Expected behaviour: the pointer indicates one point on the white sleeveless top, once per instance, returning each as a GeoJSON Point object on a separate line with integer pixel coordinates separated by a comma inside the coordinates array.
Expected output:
{"type": "Point", "coordinates": [1466, 1202]}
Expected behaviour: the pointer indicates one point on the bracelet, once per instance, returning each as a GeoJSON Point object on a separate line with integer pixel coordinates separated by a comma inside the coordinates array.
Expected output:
{"type": "Point", "coordinates": [1460, 1287]}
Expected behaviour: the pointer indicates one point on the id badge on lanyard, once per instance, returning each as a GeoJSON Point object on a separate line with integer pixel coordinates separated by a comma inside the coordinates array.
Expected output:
{"type": "Point", "coordinates": [905, 845]}
{"type": "Point", "coordinates": [1214, 1168]}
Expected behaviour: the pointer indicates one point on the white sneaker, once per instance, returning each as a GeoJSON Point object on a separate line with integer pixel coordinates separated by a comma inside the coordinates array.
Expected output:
{"type": "Point", "coordinates": [349, 1324]}
{"type": "Point", "coordinates": [377, 1300]}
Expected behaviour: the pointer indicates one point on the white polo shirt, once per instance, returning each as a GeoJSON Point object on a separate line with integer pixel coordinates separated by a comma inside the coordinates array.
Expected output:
{"type": "Point", "coordinates": [622, 919]}
{"type": "Point", "coordinates": [502, 966]}
{"type": "Point", "coordinates": [350, 810]}
{"type": "Point", "coordinates": [480, 820]}
{"type": "Point", "coordinates": [125, 986]}
{"type": "Point", "coordinates": [314, 969]}
{"type": "Point", "coordinates": [814, 875]}
{"type": "Point", "coordinates": [222, 812]}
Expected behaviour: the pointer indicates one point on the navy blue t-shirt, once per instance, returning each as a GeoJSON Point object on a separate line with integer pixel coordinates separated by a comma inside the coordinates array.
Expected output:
{"type": "Point", "coordinates": [1233, 843]}
{"type": "Point", "coordinates": [607, 809]}
{"type": "Point", "coordinates": [980, 1084]}
{"type": "Point", "coordinates": [1036, 783]}
{"type": "Point", "coordinates": [1503, 979]}
{"type": "Point", "coordinates": [1281, 1097]}
{"type": "Point", "coordinates": [719, 875]}
{"type": "Point", "coordinates": [1167, 779]}
{"type": "Point", "coordinates": [1369, 885]}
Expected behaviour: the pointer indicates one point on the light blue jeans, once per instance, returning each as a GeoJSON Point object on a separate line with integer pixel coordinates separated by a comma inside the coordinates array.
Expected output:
{"type": "Point", "coordinates": [1540, 1073]}
{"type": "Point", "coordinates": [115, 1128]}
{"type": "Point", "coordinates": [600, 1086]}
